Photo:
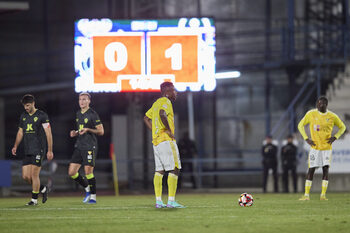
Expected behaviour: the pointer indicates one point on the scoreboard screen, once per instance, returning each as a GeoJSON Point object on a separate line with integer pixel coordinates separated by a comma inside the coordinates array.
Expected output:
{"type": "Point", "coordinates": [138, 55]}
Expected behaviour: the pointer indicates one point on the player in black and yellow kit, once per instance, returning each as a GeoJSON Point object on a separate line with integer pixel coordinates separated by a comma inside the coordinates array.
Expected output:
{"type": "Point", "coordinates": [34, 129]}
{"type": "Point", "coordinates": [85, 149]}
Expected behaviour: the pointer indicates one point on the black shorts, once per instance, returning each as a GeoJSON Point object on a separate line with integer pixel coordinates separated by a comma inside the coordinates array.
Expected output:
{"type": "Point", "coordinates": [33, 159]}
{"type": "Point", "coordinates": [84, 157]}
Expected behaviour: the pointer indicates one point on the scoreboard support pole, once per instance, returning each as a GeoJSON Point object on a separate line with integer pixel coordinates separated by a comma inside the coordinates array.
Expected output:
{"type": "Point", "coordinates": [190, 116]}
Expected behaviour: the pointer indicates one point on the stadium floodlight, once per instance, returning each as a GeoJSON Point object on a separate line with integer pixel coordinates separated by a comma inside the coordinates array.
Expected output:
{"type": "Point", "coordinates": [227, 74]}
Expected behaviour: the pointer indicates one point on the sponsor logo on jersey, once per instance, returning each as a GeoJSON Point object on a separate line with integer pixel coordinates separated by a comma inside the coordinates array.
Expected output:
{"type": "Point", "coordinates": [317, 127]}
{"type": "Point", "coordinates": [86, 120]}
{"type": "Point", "coordinates": [35, 119]}
{"type": "Point", "coordinates": [38, 157]}
{"type": "Point", "coordinates": [29, 127]}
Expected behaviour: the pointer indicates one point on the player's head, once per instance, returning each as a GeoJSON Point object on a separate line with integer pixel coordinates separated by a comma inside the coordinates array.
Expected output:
{"type": "Point", "coordinates": [290, 138]}
{"type": "Point", "coordinates": [168, 90]}
{"type": "Point", "coordinates": [84, 100]}
{"type": "Point", "coordinates": [322, 103]}
{"type": "Point", "coordinates": [28, 102]}
{"type": "Point", "coordinates": [268, 139]}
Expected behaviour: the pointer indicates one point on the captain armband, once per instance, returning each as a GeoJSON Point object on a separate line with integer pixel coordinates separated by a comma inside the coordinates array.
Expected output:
{"type": "Point", "coordinates": [46, 125]}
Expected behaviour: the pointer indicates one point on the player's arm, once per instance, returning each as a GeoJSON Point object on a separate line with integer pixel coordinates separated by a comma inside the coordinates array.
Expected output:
{"type": "Point", "coordinates": [99, 130]}
{"type": "Point", "coordinates": [48, 134]}
{"type": "Point", "coordinates": [148, 122]}
{"type": "Point", "coordinates": [18, 140]}
{"type": "Point", "coordinates": [301, 128]}
{"type": "Point", "coordinates": [341, 129]}
{"type": "Point", "coordinates": [165, 122]}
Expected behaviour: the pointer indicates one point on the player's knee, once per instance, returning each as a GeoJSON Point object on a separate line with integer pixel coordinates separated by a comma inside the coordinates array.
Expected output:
{"type": "Point", "coordinates": [72, 173]}
{"type": "Point", "coordinates": [26, 178]}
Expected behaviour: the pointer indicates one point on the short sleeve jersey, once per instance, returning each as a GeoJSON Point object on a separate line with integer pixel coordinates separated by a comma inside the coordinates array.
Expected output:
{"type": "Point", "coordinates": [34, 137]}
{"type": "Point", "coordinates": [88, 119]}
{"type": "Point", "coordinates": [321, 126]}
{"type": "Point", "coordinates": [158, 129]}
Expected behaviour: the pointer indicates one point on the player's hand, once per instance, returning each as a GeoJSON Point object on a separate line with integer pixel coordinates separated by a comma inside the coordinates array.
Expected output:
{"type": "Point", "coordinates": [310, 142]}
{"type": "Point", "coordinates": [49, 155]}
{"type": "Point", "coordinates": [14, 151]}
{"type": "Point", "coordinates": [171, 135]}
{"type": "Point", "coordinates": [83, 131]}
{"type": "Point", "coordinates": [331, 140]}
{"type": "Point", "coordinates": [73, 133]}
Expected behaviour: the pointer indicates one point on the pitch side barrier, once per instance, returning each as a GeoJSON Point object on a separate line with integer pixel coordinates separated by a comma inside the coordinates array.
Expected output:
{"type": "Point", "coordinates": [55, 172]}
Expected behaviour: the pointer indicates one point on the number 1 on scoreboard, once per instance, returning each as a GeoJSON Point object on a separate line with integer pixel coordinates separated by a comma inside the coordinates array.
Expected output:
{"type": "Point", "coordinates": [175, 54]}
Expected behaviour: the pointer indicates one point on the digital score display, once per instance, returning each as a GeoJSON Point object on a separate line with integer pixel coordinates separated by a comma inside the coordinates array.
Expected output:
{"type": "Point", "coordinates": [138, 55]}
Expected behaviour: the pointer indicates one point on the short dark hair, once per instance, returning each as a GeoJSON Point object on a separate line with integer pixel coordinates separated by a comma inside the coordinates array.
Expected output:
{"type": "Point", "coordinates": [269, 136]}
{"type": "Point", "coordinates": [85, 93]}
{"type": "Point", "coordinates": [27, 98]}
{"type": "Point", "coordinates": [322, 97]}
{"type": "Point", "coordinates": [165, 85]}
{"type": "Point", "coordinates": [289, 136]}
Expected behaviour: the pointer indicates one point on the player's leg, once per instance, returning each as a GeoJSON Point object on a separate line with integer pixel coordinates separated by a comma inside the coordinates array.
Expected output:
{"type": "Point", "coordinates": [314, 161]}
{"type": "Point", "coordinates": [27, 173]}
{"type": "Point", "coordinates": [173, 166]}
{"type": "Point", "coordinates": [73, 172]}
{"type": "Point", "coordinates": [158, 178]}
{"type": "Point", "coordinates": [324, 183]}
{"type": "Point", "coordinates": [308, 184]}
{"type": "Point", "coordinates": [35, 171]}
{"type": "Point", "coordinates": [89, 158]}
{"type": "Point", "coordinates": [89, 173]}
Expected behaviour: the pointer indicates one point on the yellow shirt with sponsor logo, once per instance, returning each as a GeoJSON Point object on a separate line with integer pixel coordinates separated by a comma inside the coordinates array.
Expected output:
{"type": "Point", "coordinates": [321, 126]}
{"type": "Point", "coordinates": [158, 129]}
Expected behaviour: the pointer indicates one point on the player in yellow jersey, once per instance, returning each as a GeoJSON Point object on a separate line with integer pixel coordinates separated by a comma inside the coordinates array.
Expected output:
{"type": "Point", "coordinates": [160, 119]}
{"type": "Point", "coordinates": [321, 122]}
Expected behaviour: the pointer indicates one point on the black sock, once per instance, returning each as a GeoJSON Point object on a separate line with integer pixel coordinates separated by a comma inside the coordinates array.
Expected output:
{"type": "Point", "coordinates": [35, 195]}
{"type": "Point", "coordinates": [82, 181]}
{"type": "Point", "coordinates": [92, 184]}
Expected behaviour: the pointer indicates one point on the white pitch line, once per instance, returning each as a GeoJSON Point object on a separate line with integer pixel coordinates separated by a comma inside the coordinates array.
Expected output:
{"type": "Point", "coordinates": [93, 208]}
{"type": "Point", "coordinates": [105, 217]}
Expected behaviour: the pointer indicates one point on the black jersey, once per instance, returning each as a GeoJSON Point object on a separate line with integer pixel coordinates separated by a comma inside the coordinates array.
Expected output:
{"type": "Point", "coordinates": [88, 119]}
{"type": "Point", "coordinates": [269, 152]}
{"type": "Point", "coordinates": [34, 136]}
{"type": "Point", "coordinates": [289, 153]}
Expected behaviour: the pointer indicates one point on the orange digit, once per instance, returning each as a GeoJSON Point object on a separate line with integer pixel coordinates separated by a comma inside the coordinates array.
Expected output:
{"type": "Point", "coordinates": [162, 64]}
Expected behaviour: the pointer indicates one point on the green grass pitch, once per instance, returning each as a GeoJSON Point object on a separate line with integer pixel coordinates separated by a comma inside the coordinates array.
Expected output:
{"type": "Point", "coordinates": [204, 213]}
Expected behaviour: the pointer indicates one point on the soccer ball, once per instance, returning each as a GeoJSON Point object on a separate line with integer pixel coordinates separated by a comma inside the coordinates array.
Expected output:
{"type": "Point", "coordinates": [245, 199]}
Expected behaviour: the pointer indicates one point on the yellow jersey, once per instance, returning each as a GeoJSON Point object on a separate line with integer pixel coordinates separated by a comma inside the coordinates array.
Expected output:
{"type": "Point", "coordinates": [321, 127]}
{"type": "Point", "coordinates": [158, 129]}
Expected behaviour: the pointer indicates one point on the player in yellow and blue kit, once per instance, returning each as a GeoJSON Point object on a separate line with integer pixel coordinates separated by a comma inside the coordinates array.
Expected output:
{"type": "Point", "coordinates": [321, 122]}
{"type": "Point", "coordinates": [160, 119]}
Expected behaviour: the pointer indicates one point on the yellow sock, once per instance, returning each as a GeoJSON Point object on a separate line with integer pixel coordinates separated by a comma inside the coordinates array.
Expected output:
{"type": "Point", "coordinates": [157, 182]}
{"type": "Point", "coordinates": [172, 186]}
{"type": "Point", "coordinates": [308, 184]}
{"type": "Point", "coordinates": [324, 187]}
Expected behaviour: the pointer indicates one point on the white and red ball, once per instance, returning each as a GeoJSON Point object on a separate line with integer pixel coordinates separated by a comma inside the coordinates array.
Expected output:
{"type": "Point", "coordinates": [245, 199]}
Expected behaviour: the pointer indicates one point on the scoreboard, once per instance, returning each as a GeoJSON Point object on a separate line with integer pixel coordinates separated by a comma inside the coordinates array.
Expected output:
{"type": "Point", "coordinates": [138, 55]}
